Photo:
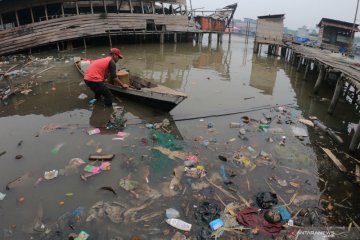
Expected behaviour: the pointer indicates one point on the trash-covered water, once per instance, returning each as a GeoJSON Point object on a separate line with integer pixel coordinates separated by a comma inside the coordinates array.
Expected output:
{"type": "Point", "coordinates": [195, 165]}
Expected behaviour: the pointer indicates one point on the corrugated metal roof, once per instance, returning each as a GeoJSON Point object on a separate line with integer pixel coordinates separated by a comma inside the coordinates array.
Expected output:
{"type": "Point", "coordinates": [272, 16]}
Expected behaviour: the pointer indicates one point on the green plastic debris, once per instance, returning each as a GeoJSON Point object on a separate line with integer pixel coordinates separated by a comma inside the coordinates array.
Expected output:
{"type": "Point", "coordinates": [128, 185]}
{"type": "Point", "coordinates": [165, 140]}
{"type": "Point", "coordinates": [82, 236]}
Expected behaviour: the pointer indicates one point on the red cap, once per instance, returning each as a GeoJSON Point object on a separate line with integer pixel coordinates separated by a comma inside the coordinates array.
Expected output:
{"type": "Point", "coordinates": [117, 52]}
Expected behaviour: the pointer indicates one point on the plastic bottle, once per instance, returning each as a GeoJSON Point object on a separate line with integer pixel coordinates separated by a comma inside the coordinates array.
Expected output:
{"type": "Point", "coordinates": [223, 175]}
{"type": "Point", "coordinates": [235, 125]}
{"type": "Point", "coordinates": [179, 224]}
{"type": "Point", "coordinates": [264, 125]}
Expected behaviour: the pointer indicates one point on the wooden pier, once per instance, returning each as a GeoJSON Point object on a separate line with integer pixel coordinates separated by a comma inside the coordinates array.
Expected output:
{"type": "Point", "coordinates": [327, 65]}
{"type": "Point", "coordinates": [27, 24]}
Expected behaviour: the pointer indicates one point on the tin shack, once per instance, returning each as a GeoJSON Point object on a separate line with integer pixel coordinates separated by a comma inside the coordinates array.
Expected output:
{"type": "Point", "coordinates": [335, 34]}
{"type": "Point", "coordinates": [269, 31]}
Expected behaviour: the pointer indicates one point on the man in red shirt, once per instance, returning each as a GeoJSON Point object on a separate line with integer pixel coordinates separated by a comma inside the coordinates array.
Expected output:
{"type": "Point", "coordinates": [98, 71]}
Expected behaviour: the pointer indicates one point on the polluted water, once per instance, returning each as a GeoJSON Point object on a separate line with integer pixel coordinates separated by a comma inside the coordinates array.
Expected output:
{"type": "Point", "coordinates": [195, 172]}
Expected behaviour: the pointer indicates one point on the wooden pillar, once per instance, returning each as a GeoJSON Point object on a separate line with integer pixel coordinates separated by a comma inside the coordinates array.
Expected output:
{"type": "Point", "coordinates": [46, 12]}
{"type": "Point", "coordinates": [162, 6]}
{"type": "Point", "coordinates": [162, 35]}
{"type": "Point", "coordinates": [62, 10]}
{"type": "Point", "coordinates": [299, 64]}
{"type": "Point", "coordinates": [32, 15]}
{"type": "Point", "coordinates": [175, 38]}
{"type": "Point", "coordinates": [131, 7]}
{"type": "Point", "coordinates": [355, 139]}
{"type": "Point", "coordinates": [308, 63]}
{"type": "Point", "coordinates": [337, 92]}
{"type": "Point", "coordinates": [210, 38]}
{"type": "Point", "coordinates": [142, 7]}
{"type": "Point", "coordinates": [293, 58]}
{"type": "Point", "coordinates": [117, 6]}
{"type": "Point", "coordinates": [110, 41]}
{"type": "Point", "coordinates": [153, 7]}
{"type": "Point", "coordinates": [77, 7]}
{"type": "Point", "coordinates": [256, 47]}
{"type": "Point", "coordinates": [104, 3]}
{"type": "Point", "coordinates": [91, 7]}
{"type": "Point", "coordinates": [355, 97]}
{"type": "Point", "coordinates": [84, 43]}
{"type": "Point", "coordinates": [58, 47]}
{"type": "Point", "coordinates": [229, 37]}
{"type": "Point", "coordinates": [277, 50]}
{"type": "Point", "coordinates": [1, 21]}
{"type": "Point", "coordinates": [320, 79]}
{"type": "Point", "coordinates": [17, 18]}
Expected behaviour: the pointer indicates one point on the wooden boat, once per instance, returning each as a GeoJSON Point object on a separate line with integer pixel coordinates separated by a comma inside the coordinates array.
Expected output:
{"type": "Point", "coordinates": [143, 91]}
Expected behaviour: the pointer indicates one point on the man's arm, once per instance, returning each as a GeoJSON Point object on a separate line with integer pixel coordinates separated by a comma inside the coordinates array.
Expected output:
{"type": "Point", "coordinates": [113, 77]}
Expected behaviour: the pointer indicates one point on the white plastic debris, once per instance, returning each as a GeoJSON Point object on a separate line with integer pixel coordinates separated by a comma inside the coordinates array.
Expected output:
{"type": "Point", "coordinates": [51, 174]}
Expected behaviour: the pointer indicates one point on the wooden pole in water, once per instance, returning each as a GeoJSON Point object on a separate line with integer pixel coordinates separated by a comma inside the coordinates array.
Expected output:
{"type": "Point", "coordinates": [77, 7]}
{"type": "Point", "coordinates": [307, 69]}
{"type": "Point", "coordinates": [175, 38]}
{"type": "Point", "coordinates": [17, 19]}
{"type": "Point", "coordinates": [91, 7]}
{"type": "Point", "coordinates": [58, 47]}
{"type": "Point", "coordinates": [62, 9]}
{"type": "Point", "coordinates": [355, 97]}
{"type": "Point", "coordinates": [319, 79]}
{"type": "Point", "coordinates": [110, 41]}
{"type": "Point", "coordinates": [46, 12]}
{"type": "Point", "coordinates": [210, 38]}
{"type": "Point", "coordinates": [162, 36]}
{"type": "Point", "coordinates": [337, 92]}
{"type": "Point", "coordinates": [32, 15]}
{"type": "Point", "coordinates": [299, 64]}
{"type": "Point", "coordinates": [1, 21]}
{"type": "Point", "coordinates": [84, 43]}
{"type": "Point", "coordinates": [355, 139]}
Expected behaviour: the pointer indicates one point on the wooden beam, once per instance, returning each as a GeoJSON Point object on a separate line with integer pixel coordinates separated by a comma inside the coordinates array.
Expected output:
{"type": "Point", "coordinates": [46, 13]}
{"type": "Point", "coordinates": [62, 9]}
{"type": "Point", "coordinates": [17, 18]}
{"type": "Point", "coordinates": [335, 160]}
{"type": "Point", "coordinates": [32, 15]}
{"type": "Point", "coordinates": [77, 7]}
{"type": "Point", "coordinates": [337, 92]}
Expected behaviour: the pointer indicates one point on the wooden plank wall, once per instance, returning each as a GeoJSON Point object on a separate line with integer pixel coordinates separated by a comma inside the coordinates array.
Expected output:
{"type": "Point", "coordinates": [80, 26]}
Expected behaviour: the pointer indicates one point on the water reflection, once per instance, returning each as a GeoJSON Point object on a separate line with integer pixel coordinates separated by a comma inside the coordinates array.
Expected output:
{"type": "Point", "coordinates": [264, 73]}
